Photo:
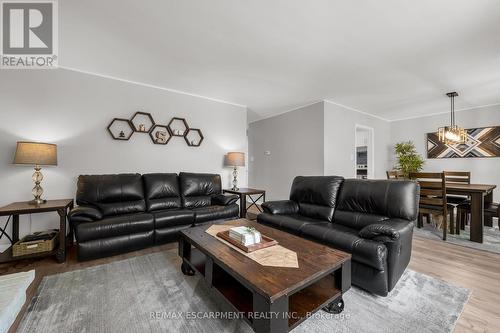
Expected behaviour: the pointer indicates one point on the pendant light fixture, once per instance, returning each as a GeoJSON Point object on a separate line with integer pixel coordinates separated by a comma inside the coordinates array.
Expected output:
{"type": "Point", "coordinates": [452, 134]}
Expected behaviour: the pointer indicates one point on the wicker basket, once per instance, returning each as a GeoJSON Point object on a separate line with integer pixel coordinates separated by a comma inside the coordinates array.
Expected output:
{"type": "Point", "coordinates": [22, 248]}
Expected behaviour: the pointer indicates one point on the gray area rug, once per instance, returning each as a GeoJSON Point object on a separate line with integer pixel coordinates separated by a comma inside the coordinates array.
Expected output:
{"type": "Point", "coordinates": [491, 237]}
{"type": "Point", "coordinates": [150, 294]}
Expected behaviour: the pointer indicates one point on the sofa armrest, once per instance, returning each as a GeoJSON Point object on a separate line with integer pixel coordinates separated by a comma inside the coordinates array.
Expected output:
{"type": "Point", "coordinates": [224, 200]}
{"type": "Point", "coordinates": [281, 207]}
{"type": "Point", "coordinates": [396, 235]}
{"type": "Point", "coordinates": [380, 232]}
{"type": "Point", "coordinates": [84, 214]}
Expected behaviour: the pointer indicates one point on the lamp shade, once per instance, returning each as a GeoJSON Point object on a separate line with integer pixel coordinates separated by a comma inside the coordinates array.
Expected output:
{"type": "Point", "coordinates": [35, 153]}
{"type": "Point", "coordinates": [235, 159]}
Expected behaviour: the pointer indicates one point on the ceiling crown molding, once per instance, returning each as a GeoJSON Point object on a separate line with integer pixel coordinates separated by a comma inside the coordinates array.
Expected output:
{"type": "Point", "coordinates": [150, 86]}
{"type": "Point", "coordinates": [355, 110]}
{"type": "Point", "coordinates": [445, 112]}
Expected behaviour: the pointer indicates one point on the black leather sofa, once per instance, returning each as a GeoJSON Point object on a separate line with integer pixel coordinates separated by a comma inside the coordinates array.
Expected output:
{"type": "Point", "coordinates": [127, 212]}
{"type": "Point", "coordinates": [371, 219]}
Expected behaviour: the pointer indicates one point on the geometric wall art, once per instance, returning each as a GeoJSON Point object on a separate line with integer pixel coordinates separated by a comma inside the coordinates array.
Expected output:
{"type": "Point", "coordinates": [480, 142]}
{"type": "Point", "coordinates": [143, 122]}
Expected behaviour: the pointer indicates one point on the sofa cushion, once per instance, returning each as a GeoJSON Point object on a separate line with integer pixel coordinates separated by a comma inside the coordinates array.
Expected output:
{"type": "Point", "coordinates": [197, 189]}
{"type": "Point", "coordinates": [391, 198]}
{"type": "Point", "coordinates": [210, 213]}
{"type": "Point", "coordinates": [316, 195]}
{"type": "Point", "coordinates": [112, 194]}
{"type": "Point", "coordinates": [357, 220]}
{"type": "Point", "coordinates": [170, 234]}
{"type": "Point", "coordinates": [365, 251]}
{"type": "Point", "coordinates": [161, 191]}
{"type": "Point", "coordinates": [173, 217]}
{"type": "Point", "coordinates": [291, 223]}
{"type": "Point", "coordinates": [103, 247]}
{"type": "Point", "coordinates": [115, 226]}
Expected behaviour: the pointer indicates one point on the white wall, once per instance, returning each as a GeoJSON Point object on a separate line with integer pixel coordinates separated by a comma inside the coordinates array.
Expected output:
{"type": "Point", "coordinates": [295, 140]}
{"type": "Point", "coordinates": [340, 141]}
{"type": "Point", "coordinates": [483, 170]}
{"type": "Point", "coordinates": [314, 140]}
{"type": "Point", "coordinates": [73, 110]}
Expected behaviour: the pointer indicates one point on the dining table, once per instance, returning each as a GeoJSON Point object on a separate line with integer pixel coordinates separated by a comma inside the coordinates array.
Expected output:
{"type": "Point", "coordinates": [479, 194]}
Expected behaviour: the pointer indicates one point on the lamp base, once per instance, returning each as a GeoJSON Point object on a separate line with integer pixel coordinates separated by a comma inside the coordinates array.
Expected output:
{"type": "Point", "coordinates": [37, 190]}
{"type": "Point", "coordinates": [235, 179]}
{"type": "Point", "coordinates": [37, 202]}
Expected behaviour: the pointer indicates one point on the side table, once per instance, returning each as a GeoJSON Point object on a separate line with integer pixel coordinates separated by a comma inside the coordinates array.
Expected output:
{"type": "Point", "coordinates": [13, 210]}
{"type": "Point", "coordinates": [243, 193]}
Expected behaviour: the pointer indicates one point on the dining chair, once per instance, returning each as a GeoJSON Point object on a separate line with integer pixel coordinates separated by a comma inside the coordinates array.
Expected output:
{"type": "Point", "coordinates": [433, 198]}
{"type": "Point", "coordinates": [394, 174]}
{"type": "Point", "coordinates": [456, 177]}
{"type": "Point", "coordinates": [491, 210]}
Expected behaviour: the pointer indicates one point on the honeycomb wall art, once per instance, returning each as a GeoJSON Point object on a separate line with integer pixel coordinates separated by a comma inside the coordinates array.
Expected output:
{"type": "Point", "coordinates": [160, 134]}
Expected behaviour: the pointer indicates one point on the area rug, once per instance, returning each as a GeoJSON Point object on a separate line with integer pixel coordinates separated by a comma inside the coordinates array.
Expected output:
{"type": "Point", "coordinates": [13, 296]}
{"type": "Point", "coordinates": [150, 294]}
{"type": "Point", "coordinates": [491, 237]}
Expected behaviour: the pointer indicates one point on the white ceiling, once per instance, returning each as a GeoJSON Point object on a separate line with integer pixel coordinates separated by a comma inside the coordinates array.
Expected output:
{"type": "Point", "coordinates": [391, 58]}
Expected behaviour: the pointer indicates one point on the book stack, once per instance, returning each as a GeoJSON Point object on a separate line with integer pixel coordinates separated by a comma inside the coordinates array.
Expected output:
{"type": "Point", "coordinates": [244, 235]}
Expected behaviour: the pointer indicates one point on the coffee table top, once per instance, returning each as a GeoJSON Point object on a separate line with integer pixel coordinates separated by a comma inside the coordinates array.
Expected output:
{"type": "Point", "coordinates": [315, 260]}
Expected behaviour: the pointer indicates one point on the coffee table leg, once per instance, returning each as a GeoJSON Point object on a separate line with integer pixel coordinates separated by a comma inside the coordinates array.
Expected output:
{"type": "Point", "coordinates": [270, 317]}
{"type": "Point", "coordinates": [184, 252]}
{"type": "Point", "coordinates": [335, 307]}
{"type": "Point", "coordinates": [243, 206]}
{"type": "Point", "coordinates": [186, 269]}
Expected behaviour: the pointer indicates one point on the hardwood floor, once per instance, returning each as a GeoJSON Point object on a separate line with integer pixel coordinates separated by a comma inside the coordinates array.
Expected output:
{"type": "Point", "coordinates": [476, 270]}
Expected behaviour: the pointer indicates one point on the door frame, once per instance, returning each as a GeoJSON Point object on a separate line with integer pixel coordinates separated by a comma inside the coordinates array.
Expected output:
{"type": "Point", "coordinates": [371, 150]}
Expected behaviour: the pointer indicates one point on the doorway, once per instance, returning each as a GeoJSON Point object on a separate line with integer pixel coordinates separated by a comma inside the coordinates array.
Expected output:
{"type": "Point", "coordinates": [364, 161]}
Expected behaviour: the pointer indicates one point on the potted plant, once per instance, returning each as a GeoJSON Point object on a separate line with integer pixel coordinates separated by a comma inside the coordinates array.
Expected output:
{"type": "Point", "coordinates": [409, 160]}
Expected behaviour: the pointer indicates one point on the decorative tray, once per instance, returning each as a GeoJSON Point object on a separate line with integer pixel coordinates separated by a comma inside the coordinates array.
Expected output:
{"type": "Point", "coordinates": [265, 242]}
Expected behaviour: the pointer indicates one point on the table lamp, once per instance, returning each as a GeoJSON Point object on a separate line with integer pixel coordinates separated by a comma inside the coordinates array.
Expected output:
{"type": "Point", "coordinates": [235, 159]}
{"type": "Point", "coordinates": [36, 154]}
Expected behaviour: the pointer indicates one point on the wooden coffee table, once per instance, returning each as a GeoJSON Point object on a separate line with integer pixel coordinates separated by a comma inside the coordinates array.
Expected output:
{"type": "Point", "coordinates": [271, 299]}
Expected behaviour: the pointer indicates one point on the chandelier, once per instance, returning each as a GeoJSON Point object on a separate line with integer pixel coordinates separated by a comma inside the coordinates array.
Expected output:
{"type": "Point", "coordinates": [452, 134]}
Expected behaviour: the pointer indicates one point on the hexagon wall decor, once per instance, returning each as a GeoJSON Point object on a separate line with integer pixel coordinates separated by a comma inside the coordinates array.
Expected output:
{"type": "Point", "coordinates": [160, 134]}
{"type": "Point", "coordinates": [194, 137]}
{"type": "Point", "coordinates": [142, 122]}
{"type": "Point", "coordinates": [178, 126]}
{"type": "Point", "coordinates": [120, 129]}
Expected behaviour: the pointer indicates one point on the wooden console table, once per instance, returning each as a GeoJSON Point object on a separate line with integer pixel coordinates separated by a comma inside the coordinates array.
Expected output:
{"type": "Point", "coordinates": [13, 210]}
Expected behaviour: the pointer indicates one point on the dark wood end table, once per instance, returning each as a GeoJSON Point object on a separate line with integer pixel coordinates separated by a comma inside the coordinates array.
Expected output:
{"type": "Point", "coordinates": [271, 299]}
{"type": "Point", "coordinates": [243, 193]}
{"type": "Point", "coordinates": [13, 210]}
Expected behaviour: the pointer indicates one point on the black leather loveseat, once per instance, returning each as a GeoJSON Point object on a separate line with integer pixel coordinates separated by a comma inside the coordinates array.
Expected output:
{"type": "Point", "coordinates": [371, 219]}
{"type": "Point", "coordinates": [126, 212]}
